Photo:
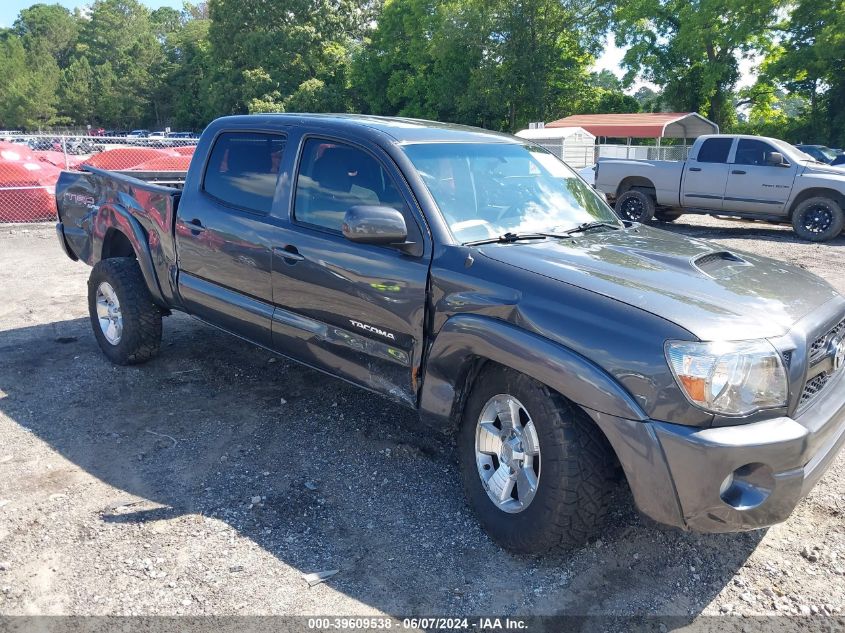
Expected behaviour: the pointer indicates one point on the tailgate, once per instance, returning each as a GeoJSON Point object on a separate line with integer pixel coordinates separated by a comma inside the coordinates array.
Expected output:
{"type": "Point", "coordinates": [76, 200]}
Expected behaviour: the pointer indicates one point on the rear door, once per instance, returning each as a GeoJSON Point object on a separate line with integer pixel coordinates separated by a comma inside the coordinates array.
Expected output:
{"type": "Point", "coordinates": [755, 185]}
{"type": "Point", "coordinates": [354, 310]}
{"type": "Point", "coordinates": [706, 175]}
{"type": "Point", "coordinates": [223, 234]}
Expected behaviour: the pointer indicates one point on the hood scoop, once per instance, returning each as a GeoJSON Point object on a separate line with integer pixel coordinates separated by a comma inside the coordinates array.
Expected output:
{"type": "Point", "coordinates": [711, 264]}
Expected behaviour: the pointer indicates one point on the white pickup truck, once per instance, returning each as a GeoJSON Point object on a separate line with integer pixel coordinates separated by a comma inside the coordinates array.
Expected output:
{"type": "Point", "coordinates": [746, 176]}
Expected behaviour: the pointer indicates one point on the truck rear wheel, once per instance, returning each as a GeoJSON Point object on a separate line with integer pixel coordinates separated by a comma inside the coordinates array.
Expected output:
{"type": "Point", "coordinates": [818, 219]}
{"type": "Point", "coordinates": [126, 322]}
{"type": "Point", "coordinates": [536, 471]}
{"type": "Point", "coordinates": [635, 206]}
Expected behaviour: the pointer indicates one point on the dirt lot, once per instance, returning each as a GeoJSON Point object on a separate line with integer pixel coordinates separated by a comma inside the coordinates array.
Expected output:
{"type": "Point", "coordinates": [209, 480]}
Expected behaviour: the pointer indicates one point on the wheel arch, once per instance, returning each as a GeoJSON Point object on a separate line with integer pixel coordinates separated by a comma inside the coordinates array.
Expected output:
{"type": "Point", "coordinates": [636, 182]}
{"type": "Point", "coordinates": [466, 343]}
{"type": "Point", "coordinates": [817, 192]}
{"type": "Point", "coordinates": [117, 234]}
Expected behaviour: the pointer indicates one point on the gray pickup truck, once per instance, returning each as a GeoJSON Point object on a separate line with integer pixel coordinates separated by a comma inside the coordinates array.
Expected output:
{"type": "Point", "coordinates": [477, 279]}
{"type": "Point", "coordinates": [736, 175]}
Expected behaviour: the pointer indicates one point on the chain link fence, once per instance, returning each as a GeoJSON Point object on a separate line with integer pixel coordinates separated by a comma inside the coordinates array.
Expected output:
{"type": "Point", "coordinates": [30, 165]}
{"type": "Point", "coordinates": [579, 156]}
{"type": "Point", "coordinates": [643, 152]}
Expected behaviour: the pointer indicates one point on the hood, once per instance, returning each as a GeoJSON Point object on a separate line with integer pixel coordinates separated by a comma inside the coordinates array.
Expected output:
{"type": "Point", "coordinates": [813, 168]}
{"type": "Point", "coordinates": [714, 293]}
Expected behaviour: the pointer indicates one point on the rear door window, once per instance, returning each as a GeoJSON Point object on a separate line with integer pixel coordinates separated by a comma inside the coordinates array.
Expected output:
{"type": "Point", "coordinates": [243, 169]}
{"type": "Point", "coordinates": [715, 150]}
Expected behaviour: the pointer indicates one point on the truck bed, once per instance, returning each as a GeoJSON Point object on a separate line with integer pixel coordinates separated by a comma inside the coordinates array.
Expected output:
{"type": "Point", "coordinates": [615, 175]}
{"type": "Point", "coordinates": [93, 202]}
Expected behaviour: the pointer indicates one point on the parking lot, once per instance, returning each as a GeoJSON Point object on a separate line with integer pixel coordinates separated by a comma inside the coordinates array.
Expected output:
{"type": "Point", "coordinates": [209, 480]}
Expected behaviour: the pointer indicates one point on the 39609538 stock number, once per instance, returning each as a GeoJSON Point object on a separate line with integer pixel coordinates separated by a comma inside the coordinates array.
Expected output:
{"type": "Point", "coordinates": [376, 623]}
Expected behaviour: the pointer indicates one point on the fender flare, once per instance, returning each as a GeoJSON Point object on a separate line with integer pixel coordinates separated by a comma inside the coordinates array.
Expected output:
{"type": "Point", "coordinates": [465, 338]}
{"type": "Point", "coordinates": [115, 217]}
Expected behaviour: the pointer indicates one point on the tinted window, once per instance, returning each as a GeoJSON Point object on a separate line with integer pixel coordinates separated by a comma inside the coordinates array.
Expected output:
{"type": "Point", "coordinates": [752, 152]}
{"type": "Point", "coordinates": [243, 169]}
{"type": "Point", "coordinates": [715, 150]}
{"type": "Point", "coordinates": [334, 177]}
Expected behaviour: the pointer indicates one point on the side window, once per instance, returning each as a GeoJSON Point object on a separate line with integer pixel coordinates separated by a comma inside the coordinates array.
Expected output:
{"type": "Point", "coordinates": [243, 169]}
{"type": "Point", "coordinates": [752, 152]}
{"type": "Point", "coordinates": [334, 177]}
{"type": "Point", "coordinates": [715, 150]}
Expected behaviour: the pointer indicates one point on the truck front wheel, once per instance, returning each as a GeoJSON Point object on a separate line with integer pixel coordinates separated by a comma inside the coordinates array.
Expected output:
{"type": "Point", "coordinates": [818, 219]}
{"type": "Point", "coordinates": [536, 471]}
{"type": "Point", "coordinates": [635, 206]}
{"type": "Point", "coordinates": [126, 322]}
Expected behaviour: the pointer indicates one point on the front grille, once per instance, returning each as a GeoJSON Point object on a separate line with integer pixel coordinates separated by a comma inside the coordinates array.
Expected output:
{"type": "Point", "coordinates": [819, 346]}
{"type": "Point", "coordinates": [813, 387]}
{"type": "Point", "coordinates": [818, 349]}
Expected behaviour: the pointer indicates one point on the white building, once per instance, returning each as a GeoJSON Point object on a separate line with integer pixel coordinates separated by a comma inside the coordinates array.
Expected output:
{"type": "Point", "coordinates": [574, 145]}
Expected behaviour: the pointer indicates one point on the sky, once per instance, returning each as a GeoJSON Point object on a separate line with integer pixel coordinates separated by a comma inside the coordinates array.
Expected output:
{"type": "Point", "coordinates": [610, 59]}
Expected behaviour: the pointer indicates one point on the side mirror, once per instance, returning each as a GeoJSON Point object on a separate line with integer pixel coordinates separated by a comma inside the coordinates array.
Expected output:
{"type": "Point", "coordinates": [372, 224]}
{"type": "Point", "coordinates": [775, 158]}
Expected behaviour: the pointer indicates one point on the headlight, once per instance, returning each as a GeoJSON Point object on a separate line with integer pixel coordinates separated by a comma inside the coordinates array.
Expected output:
{"type": "Point", "coordinates": [732, 378]}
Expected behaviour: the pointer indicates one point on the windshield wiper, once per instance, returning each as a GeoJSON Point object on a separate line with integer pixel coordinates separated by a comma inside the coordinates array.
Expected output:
{"type": "Point", "coordinates": [510, 238]}
{"type": "Point", "coordinates": [586, 226]}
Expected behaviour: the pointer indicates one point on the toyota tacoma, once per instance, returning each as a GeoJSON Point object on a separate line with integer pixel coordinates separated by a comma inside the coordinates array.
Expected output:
{"type": "Point", "coordinates": [477, 279]}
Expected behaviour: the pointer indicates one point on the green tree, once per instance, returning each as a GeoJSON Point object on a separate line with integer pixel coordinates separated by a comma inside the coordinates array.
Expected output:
{"type": "Point", "coordinates": [122, 47]}
{"type": "Point", "coordinates": [192, 77]}
{"type": "Point", "coordinates": [28, 91]}
{"type": "Point", "coordinates": [50, 29]}
{"type": "Point", "coordinates": [495, 63]}
{"type": "Point", "coordinates": [76, 91]}
{"type": "Point", "coordinates": [691, 48]}
{"type": "Point", "coordinates": [808, 63]}
{"type": "Point", "coordinates": [291, 42]}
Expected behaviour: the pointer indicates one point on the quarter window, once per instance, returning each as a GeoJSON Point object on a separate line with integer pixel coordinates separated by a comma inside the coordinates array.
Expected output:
{"type": "Point", "coordinates": [334, 177]}
{"type": "Point", "coordinates": [715, 150]}
{"type": "Point", "coordinates": [243, 169]}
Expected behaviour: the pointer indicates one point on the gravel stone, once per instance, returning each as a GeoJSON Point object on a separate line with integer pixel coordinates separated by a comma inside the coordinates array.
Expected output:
{"type": "Point", "coordinates": [147, 527]}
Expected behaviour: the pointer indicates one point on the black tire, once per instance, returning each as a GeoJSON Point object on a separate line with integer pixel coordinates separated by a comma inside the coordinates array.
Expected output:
{"type": "Point", "coordinates": [818, 219]}
{"type": "Point", "coordinates": [635, 206]}
{"type": "Point", "coordinates": [663, 215]}
{"type": "Point", "coordinates": [141, 318]}
{"type": "Point", "coordinates": [576, 469]}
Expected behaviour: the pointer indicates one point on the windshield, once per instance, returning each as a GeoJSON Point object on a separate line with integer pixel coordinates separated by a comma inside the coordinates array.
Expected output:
{"type": "Point", "coordinates": [827, 153]}
{"type": "Point", "coordinates": [813, 151]}
{"type": "Point", "coordinates": [485, 190]}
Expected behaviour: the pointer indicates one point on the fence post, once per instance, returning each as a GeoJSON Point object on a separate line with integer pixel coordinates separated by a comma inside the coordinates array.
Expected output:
{"type": "Point", "coordinates": [64, 151]}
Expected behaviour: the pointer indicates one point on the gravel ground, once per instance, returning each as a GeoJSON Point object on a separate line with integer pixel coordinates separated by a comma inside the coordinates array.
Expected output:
{"type": "Point", "coordinates": [209, 480]}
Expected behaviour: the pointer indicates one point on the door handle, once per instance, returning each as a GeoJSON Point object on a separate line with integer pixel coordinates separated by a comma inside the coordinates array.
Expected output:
{"type": "Point", "coordinates": [196, 226]}
{"type": "Point", "coordinates": [289, 253]}
{"type": "Point", "coordinates": [738, 172]}
{"type": "Point", "coordinates": [695, 168]}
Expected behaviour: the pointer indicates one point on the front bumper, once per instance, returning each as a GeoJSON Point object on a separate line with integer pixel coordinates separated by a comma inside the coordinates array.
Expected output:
{"type": "Point", "coordinates": [731, 478]}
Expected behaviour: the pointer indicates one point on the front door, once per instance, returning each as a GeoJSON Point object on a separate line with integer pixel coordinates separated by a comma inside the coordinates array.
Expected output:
{"type": "Point", "coordinates": [354, 310]}
{"type": "Point", "coordinates": [225, 254]}
{"type": "Point", "coordinates": [704, 178]}
{"type": "Point", "coordinates": [754, 184]}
